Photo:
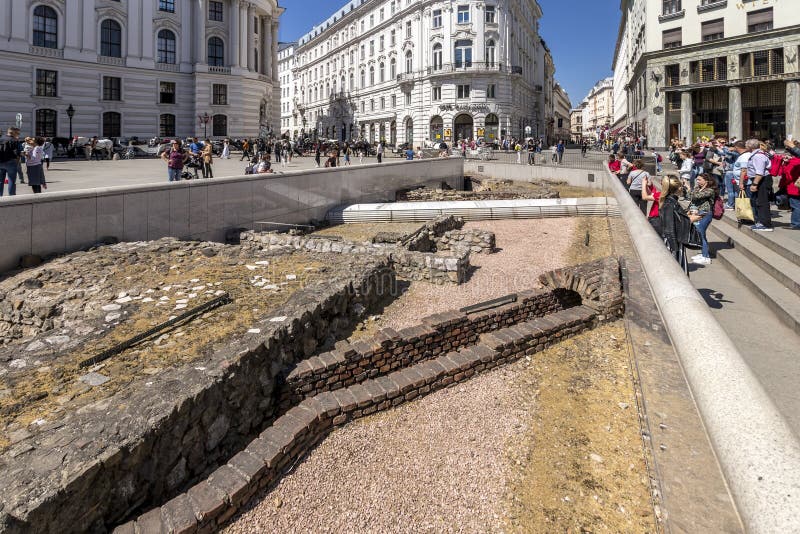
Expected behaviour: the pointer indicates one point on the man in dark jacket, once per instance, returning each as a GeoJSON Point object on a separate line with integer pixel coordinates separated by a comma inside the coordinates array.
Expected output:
{"type": "Point", "coordinates": [9, 161]}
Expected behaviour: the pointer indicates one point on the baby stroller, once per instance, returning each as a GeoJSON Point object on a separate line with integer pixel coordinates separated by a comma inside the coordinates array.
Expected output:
{"type": "Point", "coordinates": [193, 164]}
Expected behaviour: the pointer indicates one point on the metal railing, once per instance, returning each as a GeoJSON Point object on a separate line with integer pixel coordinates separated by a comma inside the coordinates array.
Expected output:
{"type": "Point", "coordinates": [471, 67]}
{"type": "Point", "coordinates": [571, 159]}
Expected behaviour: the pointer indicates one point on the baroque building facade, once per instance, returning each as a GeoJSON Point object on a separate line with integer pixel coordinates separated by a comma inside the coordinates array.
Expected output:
{"type": "Point", "coordinates": [698, 68]}
{"type": "Point", "coordinates": [286, 64]}
{"type": "Point", "coordinates": [597, 111]}
{"type": "Point", "coordinates": [423, 72]}
{"type": "Point", "coordinates": [141, 68]}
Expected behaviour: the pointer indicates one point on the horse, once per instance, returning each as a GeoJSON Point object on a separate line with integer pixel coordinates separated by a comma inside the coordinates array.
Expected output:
{"type": "Point", "coordinates": [102, 144]}
{"type": "Point", "coordinates": [61, 144]}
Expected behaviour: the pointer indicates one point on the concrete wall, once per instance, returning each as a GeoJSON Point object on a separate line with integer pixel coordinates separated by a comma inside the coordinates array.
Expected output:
{"type": "Point", "coordinates": [201, 209]}
{"type": "Point", "coordinates": [529, 173]}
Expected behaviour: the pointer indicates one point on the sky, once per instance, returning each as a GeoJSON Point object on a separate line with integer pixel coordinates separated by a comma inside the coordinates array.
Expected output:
{"type": "Point", "coordinates": [581, 35]}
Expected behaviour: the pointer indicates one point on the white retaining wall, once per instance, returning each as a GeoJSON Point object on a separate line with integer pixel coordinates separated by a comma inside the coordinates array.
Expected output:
{"type": "Point", "coordinates": [53, 223]}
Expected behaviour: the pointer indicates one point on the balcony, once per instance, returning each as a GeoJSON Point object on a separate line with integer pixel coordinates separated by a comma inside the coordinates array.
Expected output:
{"type": "Point", "coordinates": [168, 67]}
{"type": "Point", "coordinates": [219, 70]}
{"type": "Point", "coordinates": [109, 60]}
{"type": "Point", "coordinates": [474, 67]}
{"type": "Point", "coordinates": [47, 52]}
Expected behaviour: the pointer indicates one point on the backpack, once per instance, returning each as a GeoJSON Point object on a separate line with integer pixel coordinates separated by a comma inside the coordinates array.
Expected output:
{"type": "Point", "coordinates": [8, 150]}
{"type": "Point", "coordinates": [659, 158]}
{"type": "Point", "coordinates": [719, 208]}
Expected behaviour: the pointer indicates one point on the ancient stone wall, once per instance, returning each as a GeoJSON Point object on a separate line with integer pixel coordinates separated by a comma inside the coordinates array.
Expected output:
{"type": "Point", "coordinates": [473, 240]}
{"type": "Point", "coordinates": [144, 445]}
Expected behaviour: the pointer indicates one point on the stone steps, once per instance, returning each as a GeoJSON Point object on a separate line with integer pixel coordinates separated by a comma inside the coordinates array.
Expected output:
{"type": "Point", "coordinates": [783, 243]}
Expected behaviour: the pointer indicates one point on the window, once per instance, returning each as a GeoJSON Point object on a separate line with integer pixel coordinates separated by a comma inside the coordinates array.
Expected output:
{"type": "Point", "coordinates": [436, 94]}
{"type": "Point", "coordinates": [166, 92]}
{"type": "Point", "coordinates": [46, 82]}
{"type": "Point", "coordinates": [46, 122]}
{"type": "Point", "coordinates": [166, 47]}
{"type": "Point", "coordinates": [409, 62]}
{"type": "Point", "coordinates": [394, 101]}
{"type": "Point", "coordinates": [463, 14]}
{"type": "Point", "coordinates": [383, 102]}
{"type": "Point", "coordinates": [363, 79]}
{"type": "Point", "coordinates": [363, 106]}
{"type": "Point", "coordinates": [219, 94]}
{"type": "Point", "coordinates": [45, 27]}
{"type": "Point", "coordinates": [219, 125]}
{"type": "Point", "coordinates": [166, 5]}
{"type": "Point", "coordinates": [352, 82]}
{"type": "Point", "coordinates": [463, 54]}
{"type": "Point", "coordinates": [761, 63]}
{"type": "Point", "coordinates": [372, 75]}
{"type": "Point", "coordinates": [709, 70]}
{"type": "Point", "coordinates": [372, 48]}
{"type": "Point", "coordinates": [110, 38]}
{"type": "Point", "coordinates": [216, 52]}
{"type": "Point", "coordinates": [393, 69]}
{"type": "Point", "coordinates": [491, 13]}
{"type": "Point", "coordinates": [112, 88]}
{"type": "Point", "coordinates": [392, 7]}
{"type": "Point", "coordinates": [393, 38]}
{"type": "Point", "coordinates": [363, 52]}
{"type": "Point", "coordinates": [372, 104]}
{"type": "Point", "coordinates": [166, 125]}
{"type": "Point", "coordinates": [670, 7]}
{"type": "Point", "coordinates": [491, 55]}
{"type": "Point", "coordinates": [713, 30]}
{"type": "Point", "coordinates": [437, 56]}
{"type": "Point", "coordinates": [672, 38]}
{"type": "Point", "coordinates": [408, 99]}
{"type": "Point", "coordinates": [363, 27]}
{"type": "Point", "coordinates": [381, 15]}
{"type": "Point", "coordinates": [672, 75]}
{"type": "Point", "coordinates": [490, 91]}
{"type": "Point", "coordinates": [759, 21]}
{"type": "Point", "coordinates": [352, 57]}
{"type": "Point", "coordinates": [215, 10]}
{"type": "Point", "coordinates": [382, 43]}
{"type": "Point", "coordinates": [382, 72]}
{"type": "Point", "coordinates": [408, 29]}
{"type": "Point", "coordinates": [112, 124]}
{"type": "Point", "coordinates": [437, 18]}
{"type": "Point", "coordinates": [463, 91]}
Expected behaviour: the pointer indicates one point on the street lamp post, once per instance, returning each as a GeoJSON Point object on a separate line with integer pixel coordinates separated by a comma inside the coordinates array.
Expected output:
{"type": "Point", "coordinates": [204, 118]}
{"type": "Point", "coordinates": [70, 114]}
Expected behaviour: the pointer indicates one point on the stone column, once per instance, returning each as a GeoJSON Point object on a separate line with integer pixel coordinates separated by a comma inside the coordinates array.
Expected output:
{"type": "Point", "coordinates": [686, 117]}
{"type": "Point", "coordinates": [272, 50]}
{"type": "Point", "coordinates": [266, 46]}
{"type": "Point", "coordinates": [793, 109]}
{"type": "Point", "coordinates": [234, 45]}
{"type": "Point", "coordinates": [243, 35]}
{"type": "Point", "coordinates": [251, 60]}
{"type": "Point", "coordinates": [200, 45]}
{"type": "Point", "coordinates": [735, 112]}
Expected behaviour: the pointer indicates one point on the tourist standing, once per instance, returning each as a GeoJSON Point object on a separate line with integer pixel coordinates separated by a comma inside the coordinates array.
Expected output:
{"type": "Point", "coordinates": [380, 152]}
{"type": "Point", "coordinates": [317, 154]}
{"type": "Point", "coordinates": [48, 152]}
{"type": "Point", "coordinates": [637, 180]}
{"type": "Point", "coordinates": [760, 179]}
{"type": "Point", "coordinates": [245, 149]}
{"type": "Point", "coordinates": [176, 158]}
{"type": "Point", "coordinates": [703, 197]}
{"type": "Point", "coordinates": [226, 149]}
{"type": "Point", "coordinates": [560, 149]}
{"type": "Point", "coordinates": [9, 161]}
{"type": "Point", "coordinates": [208, 159]}
{"type": "Point", "coordinates": [670, 212]}
{"type": "Point", "coordinates": [34, 156]}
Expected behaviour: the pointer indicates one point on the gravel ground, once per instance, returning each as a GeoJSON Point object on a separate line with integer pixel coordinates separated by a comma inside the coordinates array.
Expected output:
{"type": "Point", "coordinates": [399, 471]}
{"type": "Point", "coordinates": [528, 248]}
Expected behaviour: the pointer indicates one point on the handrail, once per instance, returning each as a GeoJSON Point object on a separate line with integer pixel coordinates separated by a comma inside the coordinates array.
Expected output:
{"type": "Point", "coordinates": [757, 450]}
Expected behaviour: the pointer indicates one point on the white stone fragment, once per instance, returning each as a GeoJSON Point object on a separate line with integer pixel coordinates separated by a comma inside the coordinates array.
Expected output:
{"type": "Point", "coordinates": [254, 331]}
{"type": "Point", "coordinates": [147, 299]}
{"type": "Point", "coordinates": [19, 363]}
{"type": "Point", "coordinates": [277, 319]}
{"type": "Point", "coordinates": [123, 300]}
{"type": "Point", "coordinates": [94, 379]}
{"type": "Point", "coordinates": [111, 317]}
{"type": "Point", "coordinates": [180, 306]}
{"type": "Point", "coordinates": [251, 267]}
{"type": "Point", "coordinates": [291, 277]}
{"type": "Point", "coordinates": [36, 345]}
{"type": "Point", "coordinates": [111, 307]}
{"type": "Point", "coordinates": [264, 262]}
{"type": "Point", "coordinates": [164, 299]}
{"type": "Point", "coordinates": [194, 280]}
{"type": "Point", "coordinates": [57, 340]}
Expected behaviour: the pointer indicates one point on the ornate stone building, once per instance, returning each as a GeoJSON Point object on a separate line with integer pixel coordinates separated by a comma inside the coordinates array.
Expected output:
{"type": "Point", "coordinates": [711, 67]}
{"type": "Point", "coordinates": [423, 71]}
{"type": "Point", "coordinates": [140, 67]}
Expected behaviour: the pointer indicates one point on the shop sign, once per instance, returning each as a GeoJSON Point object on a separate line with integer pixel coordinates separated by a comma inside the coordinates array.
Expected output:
{"type": "Point", "coordinates": [465, 107]}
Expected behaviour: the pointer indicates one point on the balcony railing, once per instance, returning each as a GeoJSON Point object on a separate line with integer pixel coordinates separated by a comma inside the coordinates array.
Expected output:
{"type": "Point", "coordinates": [45, 51]}
{"type": "Point", "coordinates": [455, 68]}
{"type": "Point", "coordinates": [169, 67]}
{"type": "Point", "coordinates": [109, 60]}
{"type": "Point", "coordinates": [219, 70]}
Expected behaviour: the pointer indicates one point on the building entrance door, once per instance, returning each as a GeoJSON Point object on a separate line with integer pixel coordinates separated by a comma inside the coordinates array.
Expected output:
{"type": "Point", "coordinates": [463, 126]}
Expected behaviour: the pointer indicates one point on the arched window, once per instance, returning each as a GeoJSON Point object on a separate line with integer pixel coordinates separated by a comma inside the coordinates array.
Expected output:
{"type": "Point", "coordinates": [166, 47]}
{"type": "Point", "coordinates": [490, 52]}
{"type": "Point", "coordinates": [393, 69]}
{"type": "Point", "coordinates": [110, 38]}
{"type": "Point", "coordinates": [166, 125]}
{"type": "Point", "coordinates": [112, 124]}
{"type": "Point", "coordinates": [363, 79]}
{"type": "Point", "coordinates": [437, 129]}
{"type": "Point", "coordinates": [46, 122]}
{"type": "Point", "coordinates": [372, 75]}
{"type": "Point", "coordinates": [352, 82]}
{"type": "Point", "coordinates": [382, 72]}
{"type": "Point", "coordinates": [219, 126]}
{"type": "Point", "coordinates": [409, 62]}
{"type": "Point", "coordinates": [437, 56]}
{"type": "Point", "coordinates": [45, 27]}
{"type": "Point", "coordinates": [410, 131]}
{"type": "Point", "coordinates": [216, 52]}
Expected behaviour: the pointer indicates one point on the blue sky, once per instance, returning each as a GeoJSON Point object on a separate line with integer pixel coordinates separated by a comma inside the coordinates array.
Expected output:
{"type": "Point", "coordinates": [581, 35]}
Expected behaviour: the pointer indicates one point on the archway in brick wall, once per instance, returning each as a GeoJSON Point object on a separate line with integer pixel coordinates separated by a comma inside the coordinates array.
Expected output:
{"type": "Point", "coordinates": [597, 283]}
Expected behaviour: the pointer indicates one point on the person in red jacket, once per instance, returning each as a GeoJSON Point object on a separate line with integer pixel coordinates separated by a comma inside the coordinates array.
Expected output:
{"type": "Point", "coordinates": [790, 180]}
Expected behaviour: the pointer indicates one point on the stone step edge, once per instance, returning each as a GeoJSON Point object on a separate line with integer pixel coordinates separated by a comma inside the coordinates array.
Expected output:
{"type": "Point", "coordinates": [211, 503]}
{"type": "Point", "coordinates": [769, 240]}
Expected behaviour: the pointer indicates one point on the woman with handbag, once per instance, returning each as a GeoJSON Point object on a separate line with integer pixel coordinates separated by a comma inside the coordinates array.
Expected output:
{"type": "Point", "coordinates": [208, 159]}
{"type": "Point", "coordinates": [676, 224]}
{"type": "Point", "coordinates": [637, 181]}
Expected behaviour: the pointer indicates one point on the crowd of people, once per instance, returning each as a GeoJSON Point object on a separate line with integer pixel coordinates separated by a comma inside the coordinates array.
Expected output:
{"type": "Point", "coordinates": [711, 175]}
{"type": "Point", "coordinates": [18, 156]}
